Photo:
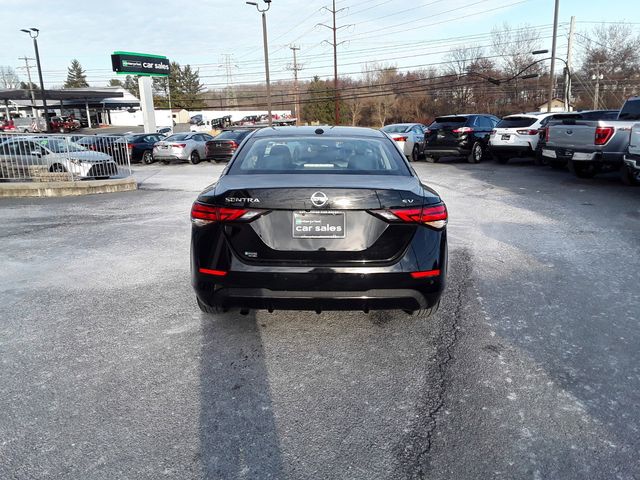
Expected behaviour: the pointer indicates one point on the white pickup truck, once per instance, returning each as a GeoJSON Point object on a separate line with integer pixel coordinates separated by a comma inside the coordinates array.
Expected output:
{"type": "Point", "coordinates": [592, 147]}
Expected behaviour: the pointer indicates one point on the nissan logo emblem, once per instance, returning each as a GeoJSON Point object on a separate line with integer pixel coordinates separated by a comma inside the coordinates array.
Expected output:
{"type": "Point", "coordinates": [569, 132]}
{"type": "Point", "coordinates": [319, 199]}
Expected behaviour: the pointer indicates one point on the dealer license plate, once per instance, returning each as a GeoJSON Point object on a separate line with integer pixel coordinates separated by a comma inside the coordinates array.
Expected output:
{"type": "Point", "coordinates": [319, 224]}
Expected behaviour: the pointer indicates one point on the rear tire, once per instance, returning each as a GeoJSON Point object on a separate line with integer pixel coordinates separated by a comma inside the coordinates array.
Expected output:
{"type": "Point", "coordinates": [147, 157]}
{"type": "Point", "coordinates": [630, 177]}
{"type": "Point", "coordinates": [424, 312]}
{"type": "Point", "coordinates": [415, 154]}
{"type": "Point", "coordinates": [581, 170]}
{"type": "Point", "coordinates": [57, 168]}
{"type": "Point", "coordinates": [213, 310]}
{"type": "Point", "coordinates": [194, 158]}
{"type": "Point", "coordinates": [432, 159]}
{"type": "Point", "coordinates": [476, 153]}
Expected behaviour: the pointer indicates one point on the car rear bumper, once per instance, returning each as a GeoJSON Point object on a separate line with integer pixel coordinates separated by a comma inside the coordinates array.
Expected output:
{"type": "Point", "coordinates": [511, 149]}
{"type": "Point", "coordinates": [446, 151]}
{"type": "Point", "coordinates": [632, 162]}
{"type": "Point", "coordinates": [322, 291]}
{"type": "Point", "coordinates": [613, 159]}
{"type": "Point", "coordinates": [159, 157]}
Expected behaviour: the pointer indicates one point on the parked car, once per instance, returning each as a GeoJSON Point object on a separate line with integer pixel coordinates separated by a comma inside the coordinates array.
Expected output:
{"type": "Point", "coordinates": [516, 136]}
{"type": "Point", "coordinates": [558, 118]}
{"type": "Point", "coordinates": [459, 136]}
{"type": "Point", "coordinates": [592, 146]}
{"type": "Point", "coordinates": [224, 145]}
{"type": "Point", "coordinates": [139, 145]}
{"type": "Point", "coordinates": [346, 226]}
{"type": "Point", "coordinates": [58, 154]}
{"type": "Point", "coordinates": [631, 169]}
{"type": "Point", "coordinates": [186, 147]}
{"type": "Point", "coordinates": [104, 144]}
{"type": "Point", "coordinates": [409, 137]}
{"type": "Point", "coordinates": [63, 124]}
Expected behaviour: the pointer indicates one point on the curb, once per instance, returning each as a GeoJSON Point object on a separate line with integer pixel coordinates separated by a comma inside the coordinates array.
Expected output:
{"type": "Point", "coordinates": [66, 189]}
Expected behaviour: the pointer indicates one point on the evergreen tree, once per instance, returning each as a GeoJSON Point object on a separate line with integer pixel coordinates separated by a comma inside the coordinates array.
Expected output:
{"type": "Point", "coordinates": [115, 82]}
{"type": "Point", "coordinates": [76, 78]}
{"type": "Point", "coordinates": [320, 105]}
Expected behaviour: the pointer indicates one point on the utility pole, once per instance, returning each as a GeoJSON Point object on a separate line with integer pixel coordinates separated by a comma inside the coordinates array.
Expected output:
{"type": "Point", "coordinates": [27, 67]}
{"type": "Point", "coordinates": [552, 73]}
{"type": "Point", "coordinates": [567, 71]}
{"type": "Point", "coordinates": [295, 69]}
{"type": "Point", "coordinates": [596, 96]}
{"type": "Point", "coordinates": [334, 44]}
{"type": "Point", "coordinates": [232, 101]}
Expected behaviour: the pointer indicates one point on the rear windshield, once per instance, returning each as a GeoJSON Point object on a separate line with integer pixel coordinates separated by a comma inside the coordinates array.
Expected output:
{"type": "Point", "coordinates": [516, 122]}
{"type": "Point", "coordinates": [344, 155]}
{"type": "Point", "coordinates": [178, 136]}
{"type": "Point", "coordinates": [396, 128]}
{"type": "Point", "coordinates": [600, 115]}
{"type": "Point", "coordinates": [444, 122]}
{"type": "Point", "coordinates": [232, 135]}
{"type": "Point", "coordinates": [630, 110]}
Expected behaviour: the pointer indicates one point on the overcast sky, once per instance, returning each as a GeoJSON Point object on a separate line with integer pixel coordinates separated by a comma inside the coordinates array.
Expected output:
{"type": "Point", "coordinates": [406, 33]}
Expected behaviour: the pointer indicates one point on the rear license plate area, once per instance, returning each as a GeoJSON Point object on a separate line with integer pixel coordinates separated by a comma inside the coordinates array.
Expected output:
{"type": "Point", "coordinates": [319, 224]}
{"type": "Point", "coordinates": [505, 137]}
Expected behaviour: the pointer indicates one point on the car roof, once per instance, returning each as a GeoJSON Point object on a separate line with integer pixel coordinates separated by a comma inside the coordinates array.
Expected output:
{"type": "Point", "coordinates": [329, 131]}
{"type": "Point", "coordinates": [402, 124]}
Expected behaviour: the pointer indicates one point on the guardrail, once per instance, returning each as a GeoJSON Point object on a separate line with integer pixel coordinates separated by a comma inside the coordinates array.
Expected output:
{"type": "Point", "coordinates": [40, 157]}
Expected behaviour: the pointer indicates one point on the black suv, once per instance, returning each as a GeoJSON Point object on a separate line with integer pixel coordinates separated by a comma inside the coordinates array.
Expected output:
{"type": "Point", "coordinates": [459, 136]}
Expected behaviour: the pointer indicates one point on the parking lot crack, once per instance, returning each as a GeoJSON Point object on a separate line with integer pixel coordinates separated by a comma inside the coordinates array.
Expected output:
{"type": "Point", "coordinates": [417, 445]}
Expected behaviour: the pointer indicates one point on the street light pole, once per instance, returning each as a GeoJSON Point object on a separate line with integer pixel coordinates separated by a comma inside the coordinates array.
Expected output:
{"type": "Point", "coordinates": [33, 33]}
{"type": "Point", "coordinates": [263, 11]}
{"type": "Point", "coordinates": [553, 55]}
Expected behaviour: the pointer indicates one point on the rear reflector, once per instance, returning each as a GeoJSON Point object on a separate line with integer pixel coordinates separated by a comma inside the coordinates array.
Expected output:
{"type": "Point", "coordinates": [217, 273]}
{"type": "Point", "coordinates": [426, 274]}
{"type": "Point", "coordinates": [603, 135]}
{"type": "Point", "coordinates": [202, 214]}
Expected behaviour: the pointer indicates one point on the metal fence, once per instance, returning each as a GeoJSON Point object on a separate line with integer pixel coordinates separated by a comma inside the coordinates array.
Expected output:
{"type": "Point", "coordinates": [40, 157]}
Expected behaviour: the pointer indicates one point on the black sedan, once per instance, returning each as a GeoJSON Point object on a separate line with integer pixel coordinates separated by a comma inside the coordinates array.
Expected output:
{"type": "Point", "coordinates": [224, 145]}
{"type": "Point", "coordinates": [139, 145]}
{"type": "Point", "coordinates": [328, 218]}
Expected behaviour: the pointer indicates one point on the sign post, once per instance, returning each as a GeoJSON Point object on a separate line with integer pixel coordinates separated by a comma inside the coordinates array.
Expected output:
{"type": "Point", "coordinates": [144, 66]}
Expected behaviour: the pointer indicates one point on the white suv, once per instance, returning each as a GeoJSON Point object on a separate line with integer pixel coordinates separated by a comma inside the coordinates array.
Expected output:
{"type": "Point", "coordinates": [516, 136]}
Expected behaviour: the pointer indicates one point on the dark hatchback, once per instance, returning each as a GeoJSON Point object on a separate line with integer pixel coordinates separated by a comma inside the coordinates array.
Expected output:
{"type": "Point", "coordinates": [104, 144]}
{"type": "Point", "coordinates": [225, 144]}
{"type": "Point", "coordinates": [330, 218]}
{"type": "Point", "coordinates": [459, 136]}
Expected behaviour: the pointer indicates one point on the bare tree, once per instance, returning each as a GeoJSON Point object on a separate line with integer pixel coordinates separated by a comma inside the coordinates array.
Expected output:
{"type": "Point", "coordinates": [459, 62]}
{"type": "Point", "coordinates": [8, 77]}
{"type": "Point", "coordinates": [382, 99]}
{"type": "Point", "coordinates": [514, 46]}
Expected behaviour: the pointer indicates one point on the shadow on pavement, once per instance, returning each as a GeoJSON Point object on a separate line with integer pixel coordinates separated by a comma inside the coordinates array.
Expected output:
{"type": "Point", "coordinates": [238, 436]}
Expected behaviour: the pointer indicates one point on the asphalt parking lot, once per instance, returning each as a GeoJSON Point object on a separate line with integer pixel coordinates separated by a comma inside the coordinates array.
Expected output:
{"type": "Point", "coordinates": [531, 369]}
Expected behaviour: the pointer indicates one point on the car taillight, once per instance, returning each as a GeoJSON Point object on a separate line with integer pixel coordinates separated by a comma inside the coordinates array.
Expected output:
{"type": "Point", "coordinates": [92, 147]}
{"type": "Point", "coordinates": [400, 139]}
{"type": "Point", "coordinates": [433, 215]}
{"type": "Point", "coordinates": [603, 135]}
{"type": "Point", "coordinates": [130, 146]}
{"type": "Point", "coordinates": [527, 132]}
{"type": "Point", "coordinates": [233, 144]}
{"type": "Point", "coordinates": [462, 130]}
{"type": "Point", "coordinates": [178, 145]}
{"type": "Point", "coordinates": [202, 214]}
{"type": "Point", "coordinates": [546, 134]}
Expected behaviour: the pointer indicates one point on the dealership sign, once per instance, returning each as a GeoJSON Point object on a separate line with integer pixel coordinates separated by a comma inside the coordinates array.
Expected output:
{"type": "Point", "coordinates": [129, 63]}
